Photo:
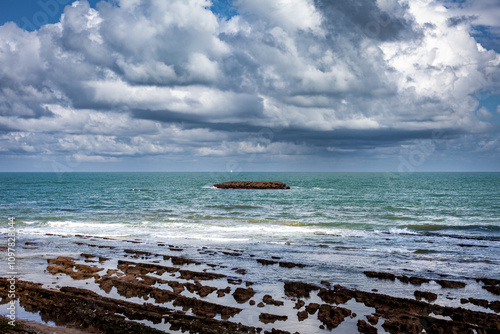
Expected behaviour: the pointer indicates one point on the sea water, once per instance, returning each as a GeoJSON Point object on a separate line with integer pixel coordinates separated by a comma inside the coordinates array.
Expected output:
{"type": "Point", "coordinates": [339, 224]}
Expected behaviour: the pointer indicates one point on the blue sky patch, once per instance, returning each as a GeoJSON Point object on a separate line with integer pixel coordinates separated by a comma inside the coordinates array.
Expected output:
{"type": "Point", "coordinates": [31, 14]}
{"type": "Point", "coordinates": [488, 39]}
{"type": "Point", "coordinates": [224, 8]}
{"type": "Point", "coordinates": [490, 102]}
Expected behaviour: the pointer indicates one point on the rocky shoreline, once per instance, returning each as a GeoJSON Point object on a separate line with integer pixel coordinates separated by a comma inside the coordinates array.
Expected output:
{"type": "Point", "coordinates": [143, 292]}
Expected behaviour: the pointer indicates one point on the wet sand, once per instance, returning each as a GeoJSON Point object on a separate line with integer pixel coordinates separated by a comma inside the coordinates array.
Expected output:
{"type": "Point", "coordinates": [141, 292]}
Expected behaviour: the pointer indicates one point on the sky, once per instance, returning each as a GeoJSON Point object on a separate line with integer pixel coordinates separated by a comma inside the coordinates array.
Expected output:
{"type": "Point", "coordinates": [250, 85]}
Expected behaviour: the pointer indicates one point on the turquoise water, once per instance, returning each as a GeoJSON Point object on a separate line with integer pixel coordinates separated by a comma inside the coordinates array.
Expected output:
{"type": "Point", "coordinates": [341, 223]}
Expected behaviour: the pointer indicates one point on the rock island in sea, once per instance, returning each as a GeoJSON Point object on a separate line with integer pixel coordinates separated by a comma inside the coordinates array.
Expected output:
{"type": "Point", "coordinates": [252, 185]}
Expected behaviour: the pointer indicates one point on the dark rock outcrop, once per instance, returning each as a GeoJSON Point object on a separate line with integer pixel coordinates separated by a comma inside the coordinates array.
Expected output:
{"type": "Point", "coordinates": [291, 265]}
{"type": "Point", "coordinates": [332, 316]}
{"type": "Point", "coordinates": [374, 274]}
{"type": "Point", "coordinates": [451, 284]}
{"type": "Point", "coordinates": [372, 319]}
{"type": "Point", "coordinates": [268, 299]}
{"type": "Point", "coordinates": [243, 295]}
{"type": "Point", "coordinates": [271, 318]}
{"type": "Point", "coordinates": [299, 304]}
{"type": "Point", "coordinates": [418, 280]}
{"type": "Point", "coordinates": [488, 281]}
{"type": "Point", "coordinates": [403, 324]}
{"type": "Point", "coordinates": [495, 289]}
{"type": "Point", "coordinates": [80, 308]}
{"type": "Point", "coordinates": [251, 185]}
{"type": "Point", "coordinates": [312, 308]}
{"type": "Point", "coordinates": [299, 289]}
{"type": "Point", "coordinates": [412, 316]}
{"type": "Point", "coordinates": [66, 265]}
{"type": "Point", "coordinates": [491, 285]}
{"type": "Point", "coordinates": [430, 296]}
{"type": "Point", "coordinates": [302, 315]}
{"type": "Point", "coordinates": [495, 306]}
{"type": "Point", "coordinates": [266, 262]}
{"type": "Point", "coordinates": [365, 328]}
{"type": "Point", "coordinates": [336, 296]}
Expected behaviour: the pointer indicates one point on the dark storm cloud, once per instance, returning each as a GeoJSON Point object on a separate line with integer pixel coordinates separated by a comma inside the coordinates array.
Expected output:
{"type": "Point", "coordinates": [456, 20]}
{"type": "Point", "coordinates": [365, 18]}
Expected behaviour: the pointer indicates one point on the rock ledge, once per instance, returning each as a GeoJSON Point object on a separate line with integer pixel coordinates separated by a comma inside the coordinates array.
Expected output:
{"type": "Point", "coordinates": [251, 185]}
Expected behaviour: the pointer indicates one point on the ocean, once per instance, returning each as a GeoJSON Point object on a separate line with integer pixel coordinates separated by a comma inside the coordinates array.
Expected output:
{"type": "Point", "coordinates": [427, 225]}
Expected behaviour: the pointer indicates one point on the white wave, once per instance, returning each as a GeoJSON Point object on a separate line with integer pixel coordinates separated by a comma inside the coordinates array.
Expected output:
{"type": "Point", "coordinates": [46, 255]}
{"type": "Point", "coordinates": [72, 228]}
{"type": "Point", "coordinates": [395, 230]}
{"type": "Point", "coordinates": [44, 232]}
{"type": "Point", "coordinates": [214, 239]}
{"type": "Point", "coordinates": [255, 231]}
{"type": "Point", "coordinates": [87, 225]}
{"type": "Point", "coordinates": [387, 250]}
{"type": "Point", "coordinates": [112, 236]}
{"type": "Point", "coordinates": [202, 237]}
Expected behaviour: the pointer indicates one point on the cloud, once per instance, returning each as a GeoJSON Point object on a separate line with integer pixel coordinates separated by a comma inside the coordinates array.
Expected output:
{"type": "Point", "coordinates": [289, 15]}
{"type": "Point", "coordinates": [172, 78]}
